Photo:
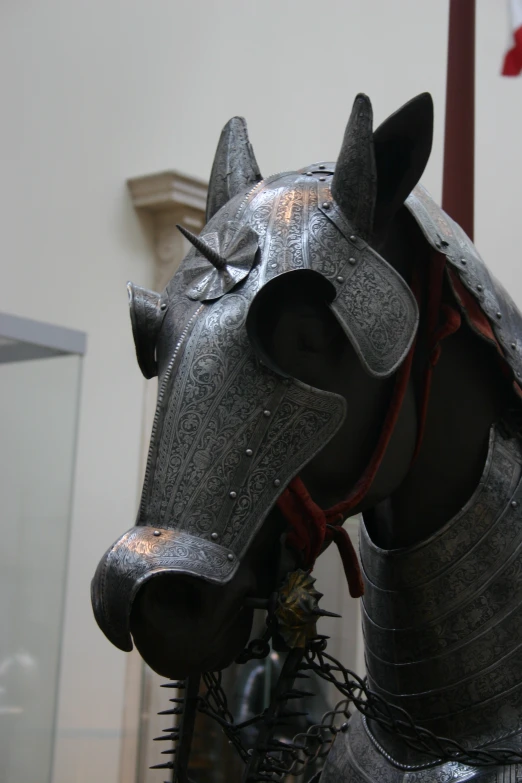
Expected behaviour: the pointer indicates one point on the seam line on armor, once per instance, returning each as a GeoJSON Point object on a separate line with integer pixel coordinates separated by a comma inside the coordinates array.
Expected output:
{"type": "Point", "coordinates": [512, 489]}
{"type": "Point", "coordinates": [268, 240]}
{"type": "Point", "coordinates": [504, 565]}
{"type": "Point", "coordinates": [501, 510]}
{"type": "Point", "coordinates": [161, 392]}
{"type": "Point", "coordinates": [397, 555]}
{"type": "Point", "coordinates": [489, 626]}
{"type": "Point", "coordinates": [471, 708]}
{"type": "Point", "coordinates": [258, 187]}
{"type": "Point", "coordinates": [305, 221]}
{"type": "Point", "coordinates": [164, 506]}
{"type": "Point", "coordinates": [398, 764]}
{"type": "Point", "coordinates": [447, 652]}
{"type": "Point", "coordinates": [436, 691]}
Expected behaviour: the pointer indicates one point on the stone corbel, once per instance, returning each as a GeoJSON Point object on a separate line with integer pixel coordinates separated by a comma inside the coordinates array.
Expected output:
{"type": "Point", "coordinates": [168, 199]}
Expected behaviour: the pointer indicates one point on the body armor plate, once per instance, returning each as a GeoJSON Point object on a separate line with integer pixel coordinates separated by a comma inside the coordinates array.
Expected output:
{"type": "Point", "coordinates": [443, 634]}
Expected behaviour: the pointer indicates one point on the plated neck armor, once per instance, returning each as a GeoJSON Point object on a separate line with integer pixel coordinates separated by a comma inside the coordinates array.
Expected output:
{"type": "Point", "coordinates": [443, 635]}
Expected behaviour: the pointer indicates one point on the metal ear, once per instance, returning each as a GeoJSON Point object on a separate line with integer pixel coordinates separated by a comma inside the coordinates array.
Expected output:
{"type": "Point", "coordinates": [354, 184]}
{"type": "Point", "coordinates": [147, 311]}
{"type": "Point", "coordinates": [235, 167]}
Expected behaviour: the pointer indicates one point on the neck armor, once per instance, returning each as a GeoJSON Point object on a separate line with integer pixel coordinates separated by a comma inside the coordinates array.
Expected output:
{"type": "Point", "coordinates": [443, 632]}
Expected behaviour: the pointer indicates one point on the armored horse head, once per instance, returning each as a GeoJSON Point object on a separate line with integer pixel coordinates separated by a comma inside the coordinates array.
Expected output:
{"type": "Point", "coordinates": [296, 348]}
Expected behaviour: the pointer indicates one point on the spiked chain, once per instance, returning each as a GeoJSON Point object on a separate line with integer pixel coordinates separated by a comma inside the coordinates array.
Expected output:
{"type": "Point", "coordinates": [271, 759]}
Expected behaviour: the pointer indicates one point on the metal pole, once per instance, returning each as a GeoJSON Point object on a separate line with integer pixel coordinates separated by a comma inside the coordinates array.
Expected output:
{"type": "Point", "coordinates": [459, 137]}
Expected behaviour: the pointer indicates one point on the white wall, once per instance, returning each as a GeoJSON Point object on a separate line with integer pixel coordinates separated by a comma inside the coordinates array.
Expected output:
{"type": "Point", "coordinates": [96, 91]}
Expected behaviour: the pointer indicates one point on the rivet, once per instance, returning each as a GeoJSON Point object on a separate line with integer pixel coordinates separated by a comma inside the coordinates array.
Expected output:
{"type": "Point", "coordinates": [479, 288]}
{"type": "Point", "coordinates": [326, 205]}
{"type": "Point", "coordinates": [498, 314]}
{"type": "Point", "coordinates": [514, 345]}
{"type": "Point", "coordinates": [353, 237]}
{"type": "Point", "coordinates": [344, 728]}
{"type": "Point", "coordinates": [157, 533]}
{"type": "Point", "coordinates": [340, 279]}
{"type": "Point", "coordinates": [514, 504]}
{"type": "Point", "coordinates": [230, 556]}
{"type": "Point", "coordinates": [273, 266]}
{"type": "Point", "coordinates": [214, 536]}
{"type": "Point", "coordinates": [463, 261]}
{"type": "Point", "coordinates": [443, 243]}
{"type": "Point", "coordinates": [351, 261]}
{"type": "Point", "coordinates": [164, 306]}
{"type": "Point", "coordinates": [322, 167]}
{"type": "Point", "coordinates": [249, 452]}
{"type": "Point", "coordinates": [232, 495]}
{"type": "Point", "coordinates": [266, 413]}
{"type": "Point", "coordinates": [308, 173]}
{"type": "Point", "coordinates": [322, 179]}
{"type": "Point", "coordinates": [277, 482]}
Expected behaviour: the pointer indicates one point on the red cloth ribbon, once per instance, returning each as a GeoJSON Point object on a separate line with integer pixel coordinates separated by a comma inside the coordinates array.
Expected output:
{"type": "Point", "coordinates": [310, 532]}
{"type": "Point", "coordinates": [311, 528]}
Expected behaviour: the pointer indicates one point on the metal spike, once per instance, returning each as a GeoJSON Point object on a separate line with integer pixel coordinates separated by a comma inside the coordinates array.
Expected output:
{"type": "Point", "coordinates": [323, 613]}
{"type": "Point", "coordinates": [178, 700]}
{"type": "Point", "coordinates": [275, 744]}
{"type": "Point", "coordinates": [173, 711]}
{"type": "Point", "coordinates": [166, 765]}
{"type": "Point", "coordinates": [174, 728]}
{"type": "Point", "coordinates": [166, 738]}
{"type": "Point", "coordinates": [169, 752]}
{"type": "Point", "coordinates": [208, 252]}
{"type": "Point", "coordinates": [295, 694]}
{"type": "Point", "coordinates": [180, 684]}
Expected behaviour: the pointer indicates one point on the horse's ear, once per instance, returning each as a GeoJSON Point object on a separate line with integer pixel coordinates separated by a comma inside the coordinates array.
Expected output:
{"type": "Point", "coordinates": [354, 184]}
{"type": "Point", "coordinates": [147, 311]}
{"type": "Point", "coordinates": [402, 146]}
{"type": "Point", "coordinates": [235, 167]}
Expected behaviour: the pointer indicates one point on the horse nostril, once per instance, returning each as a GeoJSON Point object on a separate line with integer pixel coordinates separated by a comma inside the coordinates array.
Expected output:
{"type": "Point", "coordinates": [171, 594]}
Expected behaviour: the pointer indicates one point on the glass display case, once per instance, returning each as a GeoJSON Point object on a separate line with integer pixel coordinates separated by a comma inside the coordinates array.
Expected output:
{"type": "Point", "coordinates": [40, 367]}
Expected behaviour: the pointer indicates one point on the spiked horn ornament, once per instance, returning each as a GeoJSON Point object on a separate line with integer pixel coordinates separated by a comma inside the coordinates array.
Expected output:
{"type": "Point", "coordinates": [231, 253]}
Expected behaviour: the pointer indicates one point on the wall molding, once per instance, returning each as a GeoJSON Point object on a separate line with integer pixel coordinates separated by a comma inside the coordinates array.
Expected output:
{"type": "Point", "coordinates": [166, 199]}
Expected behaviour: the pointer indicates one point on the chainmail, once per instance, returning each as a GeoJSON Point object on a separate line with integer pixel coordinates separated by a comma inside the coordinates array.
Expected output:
{"type": "Point", "coordinates": [274, 759]}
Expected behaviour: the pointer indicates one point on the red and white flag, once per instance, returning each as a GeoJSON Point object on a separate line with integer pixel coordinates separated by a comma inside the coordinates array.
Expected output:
{"type": "Point", "coordinates": [513, 59]}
